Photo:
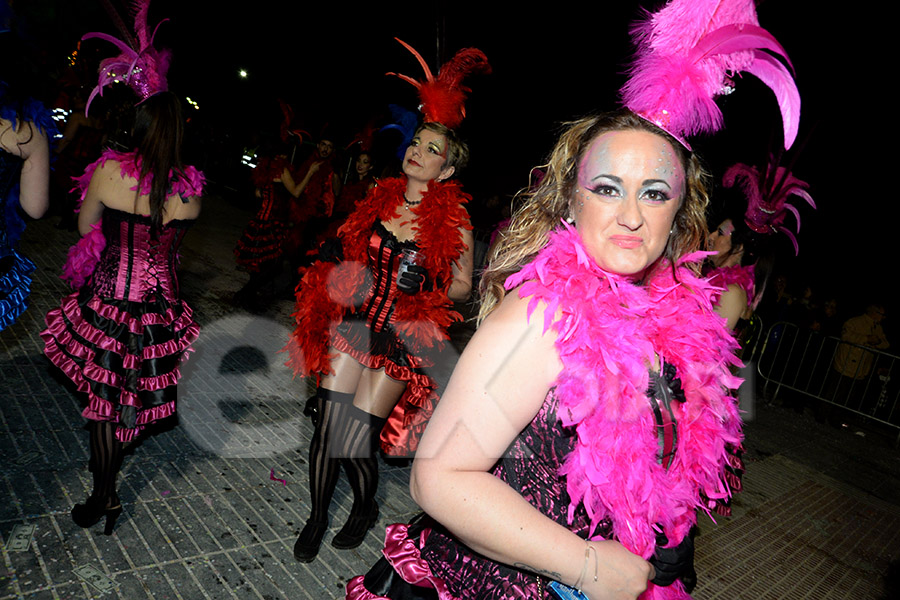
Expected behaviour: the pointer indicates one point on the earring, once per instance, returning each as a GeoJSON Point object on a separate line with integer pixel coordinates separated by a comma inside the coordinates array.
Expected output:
{"type": "Point", "coordinates": [570, 219]}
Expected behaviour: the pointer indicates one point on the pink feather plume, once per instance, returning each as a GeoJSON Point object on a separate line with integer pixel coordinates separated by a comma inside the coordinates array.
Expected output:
{"type": "Point", "coordinates": [767, 192]}
{"type": "Point", "coordinates": [138, 64]}
{"type": "Point", "coordinates": [688, 53]}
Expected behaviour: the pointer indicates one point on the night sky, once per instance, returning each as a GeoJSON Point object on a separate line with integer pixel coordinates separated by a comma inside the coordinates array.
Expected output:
{"type": "Point", "coordinates": [550, 65]}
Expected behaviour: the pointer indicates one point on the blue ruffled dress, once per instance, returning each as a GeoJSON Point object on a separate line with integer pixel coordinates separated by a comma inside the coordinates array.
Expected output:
{"type": "Point", "coordinates": [15, 269]}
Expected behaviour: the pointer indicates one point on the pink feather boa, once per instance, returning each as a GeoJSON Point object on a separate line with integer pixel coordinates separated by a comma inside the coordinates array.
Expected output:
{"type": "Point", "coordinates": [609, 331]}
{"type": "Point", "coordinates": [83, 257]}
{"type": "Point", "coordinates": [743, 277]}
{"type": "Point", "coordinates": [187, 184]}
{"type": "Point", "coordinates": [85, 253]}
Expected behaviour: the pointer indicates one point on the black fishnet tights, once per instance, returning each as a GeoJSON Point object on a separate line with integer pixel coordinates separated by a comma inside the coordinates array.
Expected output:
{"type": "Point", "coordinates": [345, 435]}
{"type": "Point", "coordinates": [106, 460]}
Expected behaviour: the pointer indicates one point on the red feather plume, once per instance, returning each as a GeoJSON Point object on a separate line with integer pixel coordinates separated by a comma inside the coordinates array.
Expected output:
{"type": "Point", "coordinates": [443, 97]}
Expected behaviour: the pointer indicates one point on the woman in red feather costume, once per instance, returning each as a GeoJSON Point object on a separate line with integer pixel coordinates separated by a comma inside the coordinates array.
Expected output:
{"type": "Point", "coordinates": [366, 325]}
{"type": "Point", "coordinates": [261, 248]}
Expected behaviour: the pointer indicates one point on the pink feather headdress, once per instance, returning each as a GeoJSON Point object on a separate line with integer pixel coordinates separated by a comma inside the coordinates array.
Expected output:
{"type": "Point", "coordinates": [688, 53]}
{"type": "Point", "coordinates": [443, 97]}
{"type": "Point", "coordinates": [141, 66]}
{"type": "Point", "coordinates": [767, 191]}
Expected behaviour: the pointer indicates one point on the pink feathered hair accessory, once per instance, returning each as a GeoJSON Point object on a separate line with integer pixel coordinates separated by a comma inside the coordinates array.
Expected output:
{"type": "Point", "coordinates": [767, 192]}
{"type": "Point", "coordinates": [689, 52]}
{"type": "Point", "coordinates": [139, 65]}
{"type": "Point", "coordinates": [443, 97]}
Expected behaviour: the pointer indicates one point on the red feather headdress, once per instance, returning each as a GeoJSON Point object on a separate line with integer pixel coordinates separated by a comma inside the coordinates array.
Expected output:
{"type": "Point", "coordinates": [364, 138]}
{"type": "Point", "coordinates": [141, 66]}
{"type": "Point", "coordinates": [443, 98]}
{"type": "Point", "coordinates": [689, 51]}
{"type": "Point", "coordinates": [287, 127]}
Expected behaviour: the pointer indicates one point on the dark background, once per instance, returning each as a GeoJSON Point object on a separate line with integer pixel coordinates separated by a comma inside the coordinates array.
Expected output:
{"type": "Point", "coordinates": [550, 65]}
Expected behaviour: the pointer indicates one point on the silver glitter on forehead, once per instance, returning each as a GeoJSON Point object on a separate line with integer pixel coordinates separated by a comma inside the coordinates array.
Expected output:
{"type": "Point", "coordinates": [668, 168]}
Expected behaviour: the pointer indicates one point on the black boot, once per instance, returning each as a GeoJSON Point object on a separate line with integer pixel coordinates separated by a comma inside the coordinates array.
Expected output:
{"type": "Point", "coordinates": [307, 545]}
{"type": "Point", "coordinates": [355, 529]}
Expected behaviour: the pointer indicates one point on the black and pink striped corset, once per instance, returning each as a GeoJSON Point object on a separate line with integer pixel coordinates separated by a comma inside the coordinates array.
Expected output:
{"type": "Point", "coordinates": [135, 265]}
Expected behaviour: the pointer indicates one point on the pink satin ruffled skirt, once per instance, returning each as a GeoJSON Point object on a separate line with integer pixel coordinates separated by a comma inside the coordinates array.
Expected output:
{"type": "Point", "coordinates": [124, 355]}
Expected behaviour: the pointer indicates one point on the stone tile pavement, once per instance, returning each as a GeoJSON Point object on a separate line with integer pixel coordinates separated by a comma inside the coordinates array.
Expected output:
{"type": "Point", "coordinates": [214, 504]}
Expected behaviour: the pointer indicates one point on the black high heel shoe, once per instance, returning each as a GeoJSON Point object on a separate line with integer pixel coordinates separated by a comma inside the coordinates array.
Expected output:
{"type": "Point", "coordinates": [355, 529]}
{"type": "Point", "coordinates": [89, 514]}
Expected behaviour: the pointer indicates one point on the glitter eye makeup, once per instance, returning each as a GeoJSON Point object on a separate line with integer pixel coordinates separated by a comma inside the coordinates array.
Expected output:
{"type": "Point", "coordinates": [629, 190]}
{"type": "Point", "coordinates": [426, 156]}
{"type": "Point", "coordinates": [655, 195]}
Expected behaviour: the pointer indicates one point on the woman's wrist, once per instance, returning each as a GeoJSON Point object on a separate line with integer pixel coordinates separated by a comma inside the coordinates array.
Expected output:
{"type": "Point", "coordinates": [589, 551]}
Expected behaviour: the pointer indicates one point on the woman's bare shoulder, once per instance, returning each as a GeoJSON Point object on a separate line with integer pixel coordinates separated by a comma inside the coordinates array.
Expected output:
{"type": "Point", "coordinates": [519, 323]}
{"type": "Point", "coordinates": [111, 169]}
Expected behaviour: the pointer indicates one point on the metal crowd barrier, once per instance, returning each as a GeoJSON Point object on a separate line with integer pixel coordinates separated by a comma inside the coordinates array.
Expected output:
{"type": "Point", "coordinates": [841, 375]}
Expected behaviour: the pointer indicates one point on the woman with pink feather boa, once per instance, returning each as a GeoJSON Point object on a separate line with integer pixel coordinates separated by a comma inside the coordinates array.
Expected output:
{"type": "Point", "coordinates": [587, 420]}
{"type": "Point", "coordinates": [121, 336]}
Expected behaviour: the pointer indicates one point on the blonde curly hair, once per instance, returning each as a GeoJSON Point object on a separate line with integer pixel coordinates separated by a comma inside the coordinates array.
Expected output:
{"type": "Point", "coordinates": [541, 209]}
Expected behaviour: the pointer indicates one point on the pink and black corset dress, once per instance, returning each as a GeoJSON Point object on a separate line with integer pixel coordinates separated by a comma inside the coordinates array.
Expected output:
{"type": "Point", "coordinates": [121, 337]}
{"type": "Point", "coordinates": [367, 333]}
{"type": "Point", "coordinates": [426, 555]}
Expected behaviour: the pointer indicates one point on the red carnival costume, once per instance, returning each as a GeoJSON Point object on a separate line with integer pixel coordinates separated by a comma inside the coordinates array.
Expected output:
{"type": "Point", "coordinates": [317, 200]}
{"type": "Point", "coordinates": [263, 238]}
{"type": "Point", "coordinates": [330, 293]}
{"type": "Point", "coordinates": [383, 318]}
{"type": "Point", "coordinates": [352, 193]}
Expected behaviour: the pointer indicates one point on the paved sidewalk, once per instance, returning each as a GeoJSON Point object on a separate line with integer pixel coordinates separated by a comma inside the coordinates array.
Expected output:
{"type": "Point", "coordinates": [207, 515]}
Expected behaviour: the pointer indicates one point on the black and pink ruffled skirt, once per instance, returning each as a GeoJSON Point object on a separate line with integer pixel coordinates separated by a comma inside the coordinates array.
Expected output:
{"type": "Point", "coordinates": [124, 355]}
{"type": "Point", "coordinates": [421, 561]}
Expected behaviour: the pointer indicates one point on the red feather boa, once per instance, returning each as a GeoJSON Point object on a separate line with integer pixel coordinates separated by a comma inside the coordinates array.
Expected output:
{"type": "Point", "coordinates": [608, 332]}
{"type": "Point", "coordinates": [327, 290]}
